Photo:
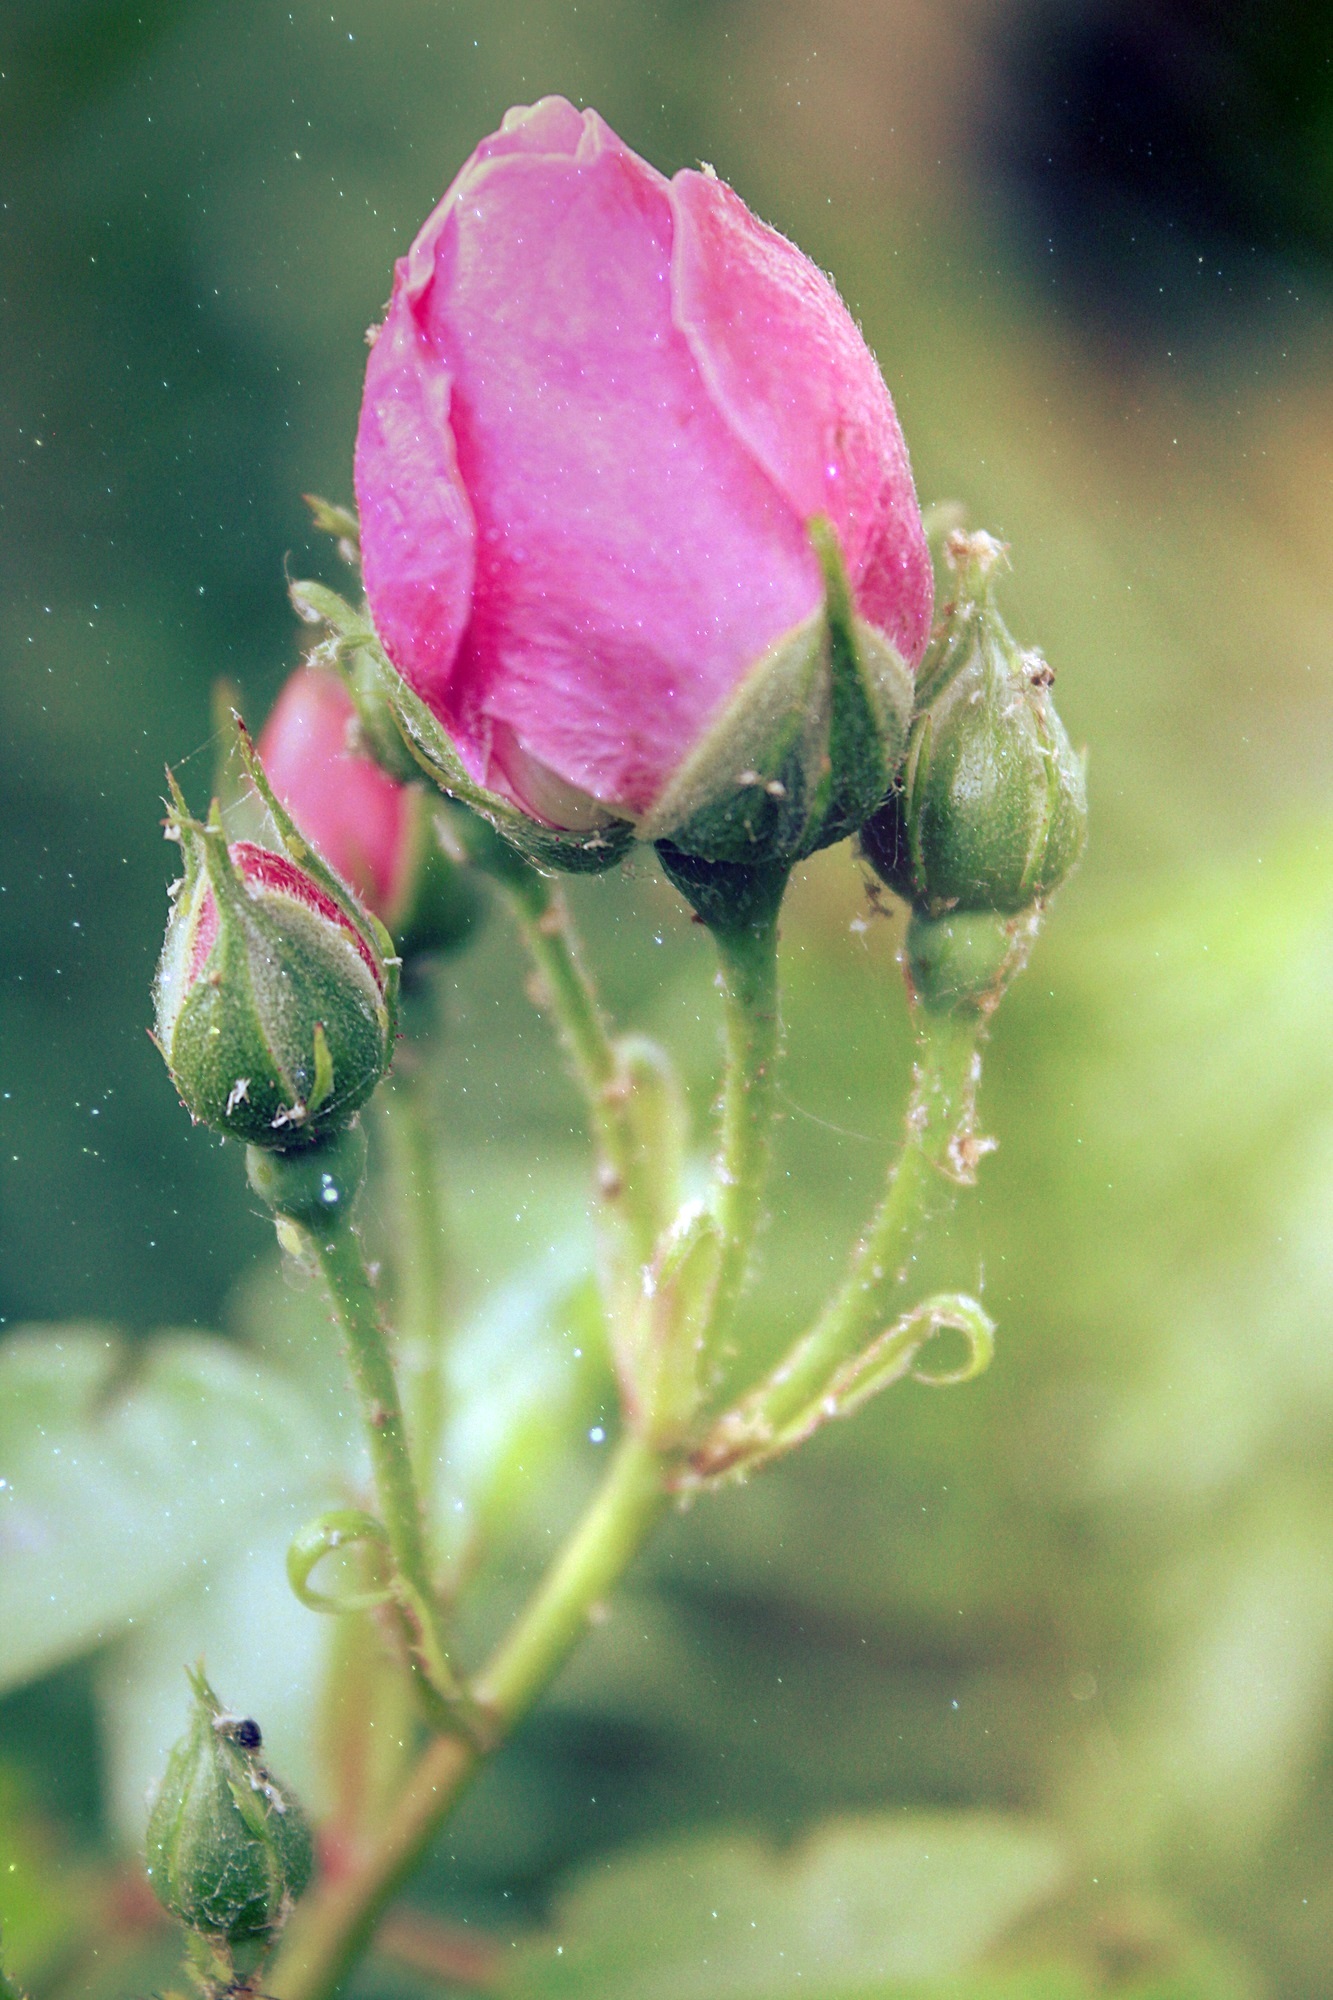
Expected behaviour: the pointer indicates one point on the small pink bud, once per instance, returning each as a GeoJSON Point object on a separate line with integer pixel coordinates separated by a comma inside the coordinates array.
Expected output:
{"type": "Point", "coordinates": [379, 835]}
{"type": "Point", "coordinates": [600, 421]}
{"type": "Point", "coordinates": [344, 804]}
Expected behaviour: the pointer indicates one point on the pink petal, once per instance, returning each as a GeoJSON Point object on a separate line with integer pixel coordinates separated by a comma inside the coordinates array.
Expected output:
{"type": "Point", "coordinates": [417, 532]}
{"type": "Point", "coordinates": [632, 561]}
{"type": "Point", "coordinates": [790, 372]}
{"type": "Point", "coordinates": [350, 810]}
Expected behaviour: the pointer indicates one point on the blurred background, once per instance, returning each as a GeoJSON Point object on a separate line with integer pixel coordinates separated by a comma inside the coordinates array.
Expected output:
{"type": "Point", "coordinates": [1091, 242]}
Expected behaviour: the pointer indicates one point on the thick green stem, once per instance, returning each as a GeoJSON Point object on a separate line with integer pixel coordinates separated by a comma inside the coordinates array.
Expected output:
{"type": "Point", "coordinates": [625, 1507]}
{"type": "Point", "coordinates": [329, 1934]}
{"type": "Point", "coordinates": [419, 1265]}
{"type": "Point", "coordinates": [939, 1153]}
{"type": "Point", "coordinates": [549, 936]}
{"type": "Point", "coordinates": [748, 956]}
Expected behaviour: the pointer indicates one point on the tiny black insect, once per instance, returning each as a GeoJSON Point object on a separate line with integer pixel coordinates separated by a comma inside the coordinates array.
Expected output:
{"type": "Point", "coordinates": [247, 1735]}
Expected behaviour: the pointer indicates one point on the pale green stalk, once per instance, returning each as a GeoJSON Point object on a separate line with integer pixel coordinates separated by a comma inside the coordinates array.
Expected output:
{"type": "Point", "coordinates": [329, 1933]}
{"type": "Point", "coordinates": [938, 1154]}
{"type": "Point", "coordinates": [419, 1265]}
{"type": "Point", "coordinates": [338, 1254]}
{"type": "Point", "coordinates": [748, 960]}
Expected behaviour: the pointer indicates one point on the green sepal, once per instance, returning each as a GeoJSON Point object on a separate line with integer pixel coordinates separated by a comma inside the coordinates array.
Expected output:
{"type": "Point", "coordinates": [806, 748]}
{"type": "Point", "coordinates": [228, 1847]}
{"type": "Point", "coordinates": [871, 702]}
{"type": "Point", "coordinates": [572, 853]}
{"type": "Point", "coordinates": [313, 863]}
{"type": "Point", "coordinates": [431, 749]}
{"type": "Point", "coordinates": [341, 523]}
{"type": "Point", "coordinates": [241, 810]}
{"type": "Point", "coordinates": [747, 792]}
{"type": "Point", "coordinates": [353, 650]}
{"type": "Point", "coordinates": [990, 809]}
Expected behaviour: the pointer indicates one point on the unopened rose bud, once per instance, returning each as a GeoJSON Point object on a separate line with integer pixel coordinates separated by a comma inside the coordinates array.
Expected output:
{"type": "Point", "coordinates": [229, 1848]}
{"type": "Point", "coordinates": [274, 1005]}
{"type": "Point", "coordinates": [991, 812]}
{"type": "Point", "coordinates": [382, 837]}
{"type": "Point", "coordinates": [637, 521]}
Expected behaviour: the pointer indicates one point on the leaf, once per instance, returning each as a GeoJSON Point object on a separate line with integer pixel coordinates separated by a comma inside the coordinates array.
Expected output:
{"type": "Point", "coordinates": [527, 1377]}
{"type": "Point", "coordinates": [863, 1908]}
{"type": "Point", "coordinates": [123, 1470]}
{"type": "Point", "coordinates": [44, 1902]}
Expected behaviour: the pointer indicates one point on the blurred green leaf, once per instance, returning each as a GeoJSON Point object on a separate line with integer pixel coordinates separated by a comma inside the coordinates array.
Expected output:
{"type": "Point", "coordinates": [527, 1378]}
{"type": "Point", "coordinates": [44, 1907]}
{"type": "Point", "coordinates": [861, 1909]}
{"type": "Point", "coordinates": [123, 1470]}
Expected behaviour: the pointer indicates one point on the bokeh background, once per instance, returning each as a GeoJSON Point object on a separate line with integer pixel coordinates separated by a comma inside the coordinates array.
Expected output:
{"type": "Point", "coordinates": [1091, 242]}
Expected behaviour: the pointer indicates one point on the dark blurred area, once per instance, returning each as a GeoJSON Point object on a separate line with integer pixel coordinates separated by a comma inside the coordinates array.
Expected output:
{"type": "Point", "coordinates": [1092, 246]}
{"type": "Point", "coordinates": [1169, 166]}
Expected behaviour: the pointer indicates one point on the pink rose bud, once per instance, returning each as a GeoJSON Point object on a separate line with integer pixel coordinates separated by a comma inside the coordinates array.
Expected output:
{"type": "Point", "coordinates": [380, 836]}
{"type": "Point", "coordinates": [274, 998]}
{"type": "Point", "coordinates": [345, 805]}
{"type": "Point", "coordinates": [638, 526]}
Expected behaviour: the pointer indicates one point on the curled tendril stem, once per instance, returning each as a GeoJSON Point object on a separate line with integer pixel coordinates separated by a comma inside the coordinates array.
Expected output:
{"type": "Point", "coordinates": [342, 1528]}
{"type": "Point", "coordinates": [742, 1441]}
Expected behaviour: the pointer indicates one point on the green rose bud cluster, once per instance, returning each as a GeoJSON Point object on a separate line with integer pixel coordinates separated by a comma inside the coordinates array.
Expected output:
{"type": "Point", "coordinates": [990, 811]}
{"type": "Point", "coordinates": [229, 1848]}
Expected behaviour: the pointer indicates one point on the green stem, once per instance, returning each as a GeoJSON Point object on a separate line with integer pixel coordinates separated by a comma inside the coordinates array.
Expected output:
{"type": "Point", "coordinates": [628, 1182]}
{"type": "Point", "coordinates": [549, 935]}
{"type": "Point", "coordinates": [329, 1934]}
{"type": "Point", "coordinates": [338, 1253]}
{"type": "Point", "coordinates": [748, 956]}
{"type": "Point", "coordinates": [938, 1155]}
{"type": "Point", "coordinates": [420, 1264]}
{"type": "Point", "coordinates": [624, 1508]}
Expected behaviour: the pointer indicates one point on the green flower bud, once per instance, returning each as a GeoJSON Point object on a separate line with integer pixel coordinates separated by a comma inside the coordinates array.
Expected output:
{"type": "Point", "coordinates": [990, 813]}
{"type": "Point", "coordinates": [229, 1849]}
{"type": "Point", "coordinates": [275, 995]}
